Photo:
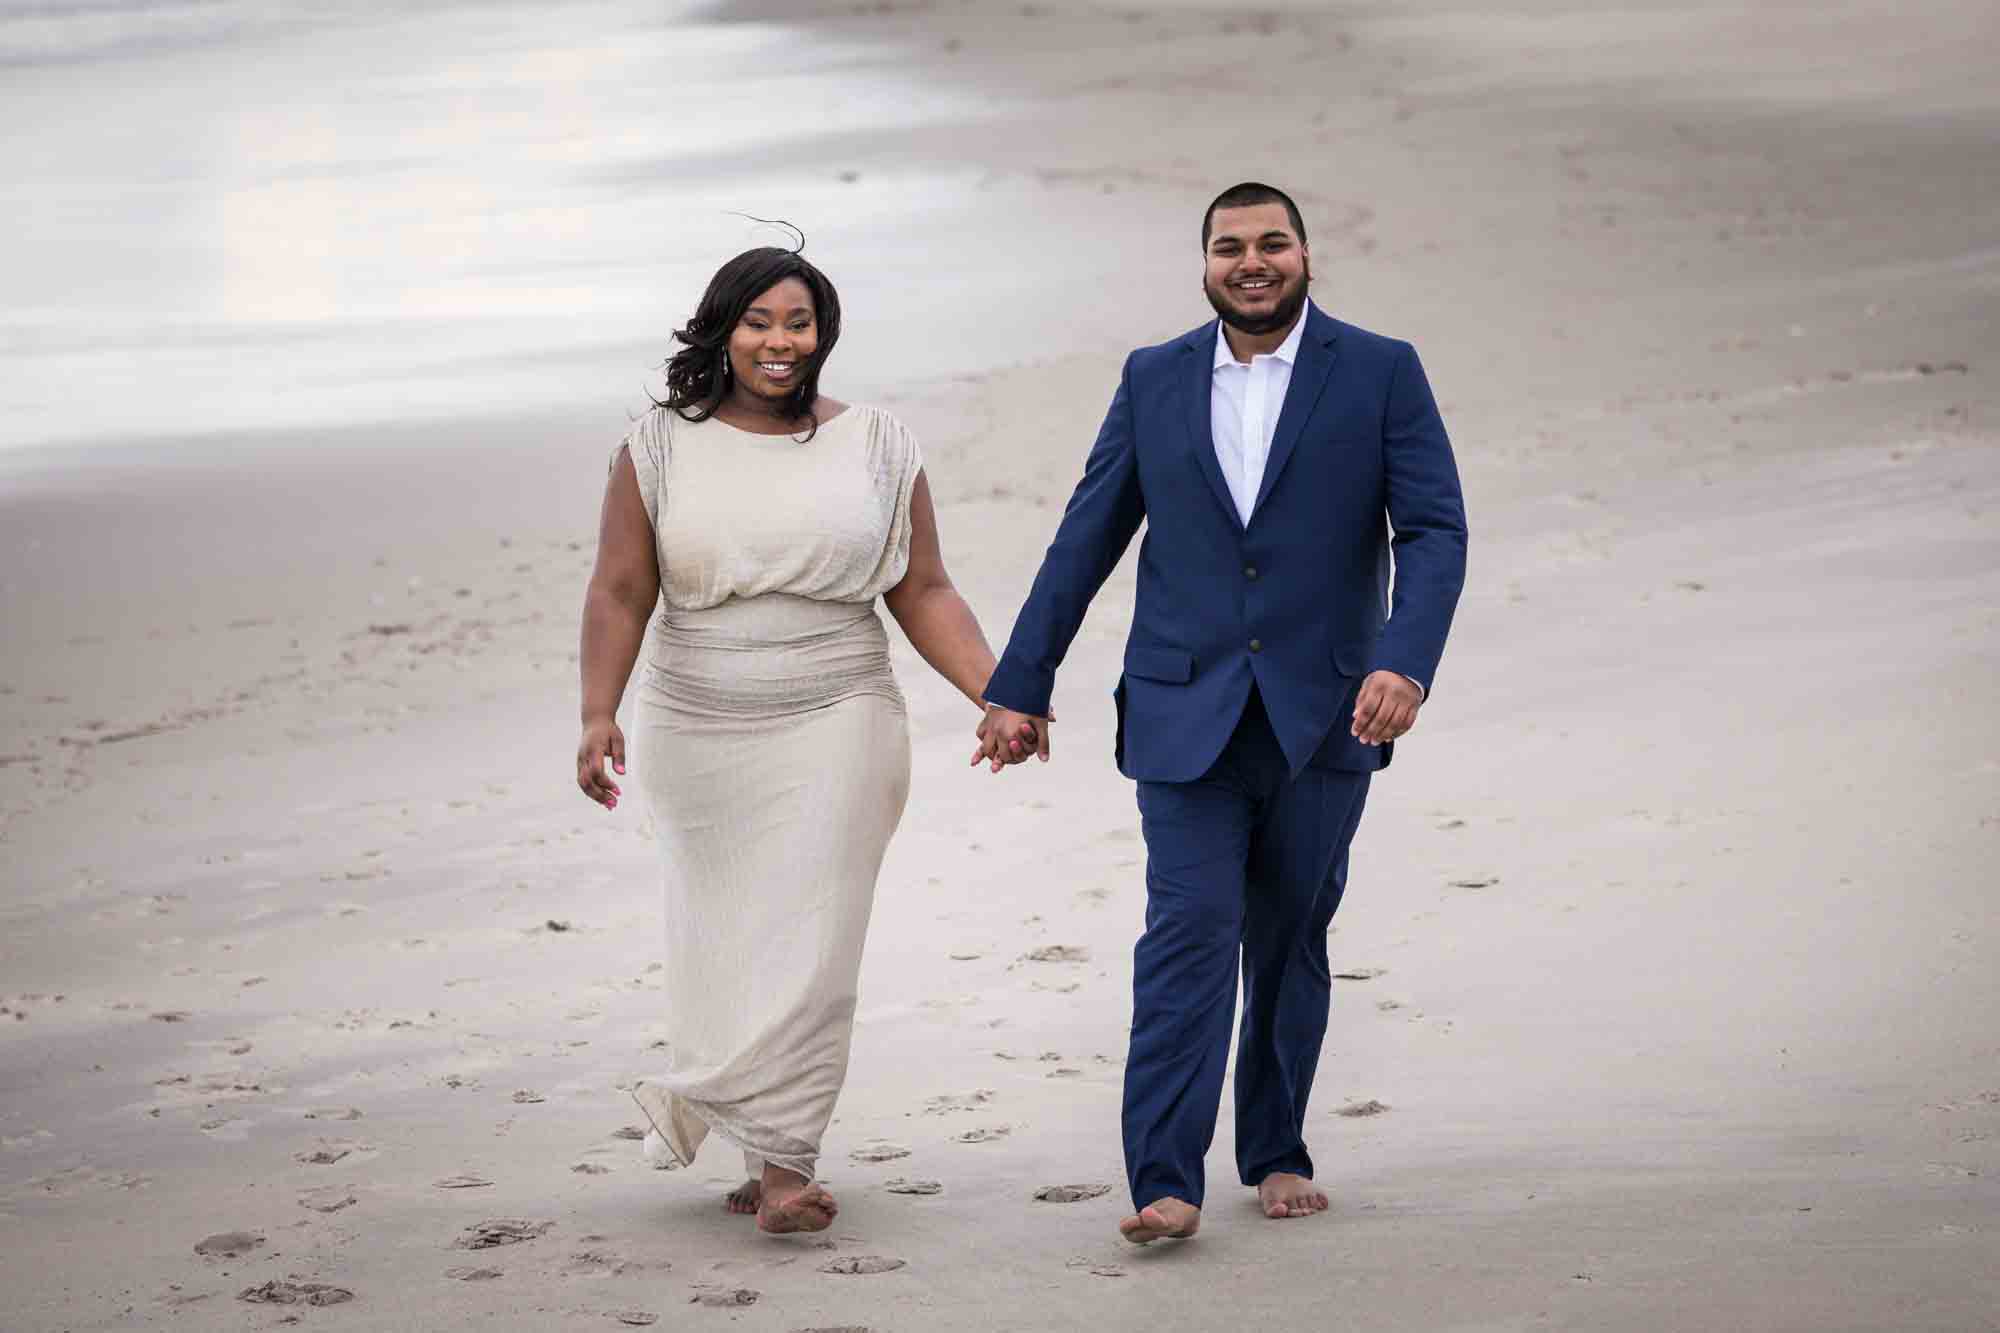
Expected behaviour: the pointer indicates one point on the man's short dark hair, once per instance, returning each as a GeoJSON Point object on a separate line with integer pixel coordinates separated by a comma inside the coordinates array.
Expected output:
{"type": "Point", "coordinates": [1247, 195]}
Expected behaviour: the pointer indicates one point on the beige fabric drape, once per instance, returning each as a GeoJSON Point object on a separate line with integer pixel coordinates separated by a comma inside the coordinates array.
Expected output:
{"type": "Point", "coordinates": [772, 745]}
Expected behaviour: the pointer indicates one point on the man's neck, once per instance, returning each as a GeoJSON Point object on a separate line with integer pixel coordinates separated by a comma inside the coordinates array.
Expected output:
{"type": "Point", "coordinates": [1243, 345]}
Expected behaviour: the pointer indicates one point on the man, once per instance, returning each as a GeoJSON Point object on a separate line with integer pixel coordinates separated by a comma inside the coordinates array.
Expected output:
{"type": "Point", "coordinates": [1279, 459]}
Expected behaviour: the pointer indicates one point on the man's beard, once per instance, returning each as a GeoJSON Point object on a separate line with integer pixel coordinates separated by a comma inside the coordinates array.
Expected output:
{"type": "Point", "coordinates": [1281, 315]}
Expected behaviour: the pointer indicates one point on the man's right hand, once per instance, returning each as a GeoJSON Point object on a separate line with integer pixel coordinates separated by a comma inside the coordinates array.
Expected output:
{"type": "Point", "coordinates": [1007, 737]}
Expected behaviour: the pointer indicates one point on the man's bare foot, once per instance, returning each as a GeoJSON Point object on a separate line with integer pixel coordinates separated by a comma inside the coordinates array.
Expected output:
{"type": "Point", "coordinates": [744, 1198]}
{"type": "Point", "coordinates": [792, 1203]}
{"type": "Point", "coordinates": [1163, 1219]}
{"type": "Point", "coordinates": [1286, 1195]}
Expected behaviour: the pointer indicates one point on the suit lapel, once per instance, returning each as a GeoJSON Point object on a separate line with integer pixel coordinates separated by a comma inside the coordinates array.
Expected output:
{"type": "Point", "coordinates": [1301, 396]}
{"type": "Point", "coordinates": [1197, 385]}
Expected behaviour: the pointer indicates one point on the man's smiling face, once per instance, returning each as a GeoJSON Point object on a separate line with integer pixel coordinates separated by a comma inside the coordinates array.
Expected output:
{"type": "Point", "coordinates": [1257, 268]}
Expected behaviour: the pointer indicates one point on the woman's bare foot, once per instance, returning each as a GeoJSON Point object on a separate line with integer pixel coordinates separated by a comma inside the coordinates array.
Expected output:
{"type": "Point", "coordinates": [792, 1203]}
{"type": "Point", "coordinates": [745, 1197]}
{"type": "Point", "coordinates": [1286, 1195]}
{"type": "Point", "coordinates": [1163, 1219]}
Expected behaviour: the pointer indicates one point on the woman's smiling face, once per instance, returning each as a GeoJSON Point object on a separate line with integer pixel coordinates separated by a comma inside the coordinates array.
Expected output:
{"type": "Point", "coordinates": [770, 345]}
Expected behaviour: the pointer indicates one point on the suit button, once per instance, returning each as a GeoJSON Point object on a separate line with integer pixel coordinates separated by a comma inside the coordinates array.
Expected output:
{"type": "Point", "coordinates": [1250, 572]}
{"type": "Point", "coordinates": [1256, 645]}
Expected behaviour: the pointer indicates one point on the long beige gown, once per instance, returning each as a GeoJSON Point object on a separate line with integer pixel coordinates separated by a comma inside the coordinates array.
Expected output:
{"type": "Point", "coordinates": [773, 746]}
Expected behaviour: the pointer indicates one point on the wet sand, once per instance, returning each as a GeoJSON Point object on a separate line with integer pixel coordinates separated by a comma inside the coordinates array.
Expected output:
{"type": "Point", "coordinates": [1670, 999]}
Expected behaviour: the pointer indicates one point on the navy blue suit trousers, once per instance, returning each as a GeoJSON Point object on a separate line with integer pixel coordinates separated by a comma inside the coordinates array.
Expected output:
{"type": "Point", "coordinates": [1246, 861]}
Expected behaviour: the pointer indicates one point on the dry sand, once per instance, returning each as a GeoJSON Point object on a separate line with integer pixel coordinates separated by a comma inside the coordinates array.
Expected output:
{"type": "Point", "coordinates": [1675, 1003]}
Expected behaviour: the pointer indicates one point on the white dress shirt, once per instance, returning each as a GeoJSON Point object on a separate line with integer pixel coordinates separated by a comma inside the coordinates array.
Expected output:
{"type": "Point", "coordinates": [1243, 406]}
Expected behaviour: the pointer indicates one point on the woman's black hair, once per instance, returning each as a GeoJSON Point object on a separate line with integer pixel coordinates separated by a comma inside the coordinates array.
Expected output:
{"type": "Point", "coordinates": [698, 374]}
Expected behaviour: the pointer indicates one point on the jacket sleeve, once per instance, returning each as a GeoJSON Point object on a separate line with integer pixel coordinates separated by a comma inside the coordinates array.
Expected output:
{"type": "Point", "coordinates": [1427, 514]}
{"type": "Point", "coordinates": [1104, 511]}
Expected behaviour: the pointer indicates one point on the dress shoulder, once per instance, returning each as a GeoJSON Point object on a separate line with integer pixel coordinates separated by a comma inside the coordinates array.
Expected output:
{"type": "Point", "coordinates": [649, 441]}
{"type": "Point", "coordinates": [894, 459]}
{"type": "Point", "coordinates": [891, 441]}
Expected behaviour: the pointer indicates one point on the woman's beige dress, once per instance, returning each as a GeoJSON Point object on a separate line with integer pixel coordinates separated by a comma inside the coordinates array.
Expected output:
{"type": "Point", "coordinates": [773, 746]}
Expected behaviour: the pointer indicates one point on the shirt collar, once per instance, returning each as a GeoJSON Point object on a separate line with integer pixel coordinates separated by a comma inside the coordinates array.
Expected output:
{"type": "Point", "coordinates": [1288, 350]}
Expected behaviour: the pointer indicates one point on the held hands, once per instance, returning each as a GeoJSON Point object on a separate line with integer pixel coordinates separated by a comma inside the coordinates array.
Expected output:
{"type": "Point", "coordinates": [1386, 708]}
{"type": "Point", "coordinates": [600, 739]}
{"type": "Point", "coordinates": [1007, 737]}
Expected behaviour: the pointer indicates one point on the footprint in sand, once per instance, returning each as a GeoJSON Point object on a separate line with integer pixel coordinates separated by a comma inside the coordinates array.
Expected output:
{"type": "Point", "coordinates": [1361, 974]}
{"type": "Point", "coordinates": [472, 1274]}
{"type": "Point", "coordinates": [464, 1182]}
{"type": "Point", "coordinates": [635, 1318]}
{"type": "Point", "coordinates": [721, 1299]}
{"type": "Point", "coordinates": [862, 1264]}
{"type": "Point", "coordinates": [633, 1132]}
{"type": "Point", "coordinates": [598, 1263]}
{"type": "Point", "coordinates": [899, 1185]}
{"type": "Point", "coordinates": [1096, 1268]}
{"type": "Point", "coordinates": [76, 1179]}
{"type": "Point", "coordinates": [295, 1293]}
{"type": "Point", "coordinates": [176, 1298]}
{"type": "Point", "coordinates": [985, 1134]}
{"type": "Point", "coordinates": [228, 1244]}
{"type": "Point", "coordinates": [1071, 1193]}
{"type": "Point", "coordinates": [322, 1156]}
{"type": "Point", "coordinates": [878, 1152]}
{"type": "Point", "coordinates": [1356, 1110]}
{"type": "Point", "coordinates": [953, 1102]}
{"type": "Point", "coordinates": [1058, 953]}
{"type": "Point", "coordinates": [328, 1199]}
{"type": "Point", "coordinates": [501, 1231]}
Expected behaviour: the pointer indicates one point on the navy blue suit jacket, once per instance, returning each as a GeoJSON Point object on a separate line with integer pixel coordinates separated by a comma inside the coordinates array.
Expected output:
{"type": "Point", "coordinates": [1296, 601]}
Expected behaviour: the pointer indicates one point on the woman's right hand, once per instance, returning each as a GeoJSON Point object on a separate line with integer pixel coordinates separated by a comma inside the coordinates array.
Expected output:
{"type": "Point", "coordinates": [600, 740]}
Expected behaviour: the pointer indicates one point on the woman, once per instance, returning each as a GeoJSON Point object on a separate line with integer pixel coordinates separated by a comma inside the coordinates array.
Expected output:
{"type": "Point", "coordinates": [764, 519]}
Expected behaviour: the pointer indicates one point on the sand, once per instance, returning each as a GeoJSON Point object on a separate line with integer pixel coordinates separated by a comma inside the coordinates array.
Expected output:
{"type": "Point", "coordinates": [1671, 997]}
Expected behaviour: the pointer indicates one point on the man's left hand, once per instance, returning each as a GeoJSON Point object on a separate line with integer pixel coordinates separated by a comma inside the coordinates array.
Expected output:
{"type": "Point", "coordinates": [1387, 707]}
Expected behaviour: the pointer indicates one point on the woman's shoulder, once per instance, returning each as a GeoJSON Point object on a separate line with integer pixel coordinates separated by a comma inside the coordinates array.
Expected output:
{"type": "Point", "coordinates": [660, 427]}
{"type": "Point", "coordinates": [652, 427]}
{"type": "Point", "coordinates": [886, 433]}
{"type": "Point", "coordinates": [873, 420]}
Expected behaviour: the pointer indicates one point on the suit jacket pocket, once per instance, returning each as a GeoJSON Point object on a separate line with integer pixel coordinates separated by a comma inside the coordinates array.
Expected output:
{"type": "Point", "coordinates": [1164, 664]}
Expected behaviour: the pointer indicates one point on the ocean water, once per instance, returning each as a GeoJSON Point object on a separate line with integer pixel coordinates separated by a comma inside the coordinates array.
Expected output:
{"type": "Point", "coordinates": [232, 215]}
